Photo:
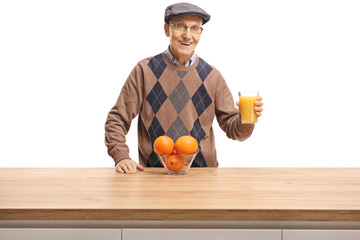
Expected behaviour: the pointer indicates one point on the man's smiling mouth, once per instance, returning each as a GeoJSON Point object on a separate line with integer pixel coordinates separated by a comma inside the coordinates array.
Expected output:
{"type": "Point", "coordinates": [185, 43]}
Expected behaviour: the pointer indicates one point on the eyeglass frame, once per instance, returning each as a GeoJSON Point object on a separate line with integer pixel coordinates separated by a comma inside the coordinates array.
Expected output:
{"type": "Point", "coordinates": [186, 27]}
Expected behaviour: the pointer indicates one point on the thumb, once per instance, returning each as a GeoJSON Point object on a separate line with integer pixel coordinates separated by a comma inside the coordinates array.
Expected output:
{"type": "Point", "coordinates": [141, 168]}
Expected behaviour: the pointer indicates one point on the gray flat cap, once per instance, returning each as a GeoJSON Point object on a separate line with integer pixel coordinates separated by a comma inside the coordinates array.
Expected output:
{"type": "Point", "coordinates": [181, 9]}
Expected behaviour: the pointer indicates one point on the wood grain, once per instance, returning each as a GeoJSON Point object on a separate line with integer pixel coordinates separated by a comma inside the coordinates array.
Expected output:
{"type": "Point", "coordinates": [219, 194]}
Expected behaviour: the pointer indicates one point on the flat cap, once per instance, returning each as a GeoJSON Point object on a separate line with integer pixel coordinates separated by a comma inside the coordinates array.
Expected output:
{"type": "Point", "coordinates": [181, 9]}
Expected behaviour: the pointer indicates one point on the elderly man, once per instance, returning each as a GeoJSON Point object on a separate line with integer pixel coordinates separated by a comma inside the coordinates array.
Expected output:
{"type": "Point", "coordinates": [175, 93]}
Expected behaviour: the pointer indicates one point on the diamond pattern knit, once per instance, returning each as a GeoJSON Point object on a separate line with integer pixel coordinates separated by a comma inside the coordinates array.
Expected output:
{"type": "Point", "coordinates": [157, 65]}
{"type": "Point", "coordinates": [173, 101]}
{"type": "Point", "coordinates": [156, 97]}
{"type": "Point", "coordinates": [179, 98]}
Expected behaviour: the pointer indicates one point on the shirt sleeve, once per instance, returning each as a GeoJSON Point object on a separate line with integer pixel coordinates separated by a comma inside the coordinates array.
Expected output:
{"type": "Point", "coordinates": [228, 115]}
{"type": "Point", "coordinates": [120, 116]}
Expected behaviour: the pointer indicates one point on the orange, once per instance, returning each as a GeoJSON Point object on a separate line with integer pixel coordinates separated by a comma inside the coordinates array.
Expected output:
{"type": "Point", "coordinates": [175, 162]}
{"type": "Point", "coordinates": [186, 145]}
{"type": "Point", "coordinates": [164, 145]}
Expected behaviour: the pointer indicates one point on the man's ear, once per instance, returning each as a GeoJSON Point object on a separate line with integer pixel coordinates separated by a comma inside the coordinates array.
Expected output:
{"type": "Point", "coordinates": [167, 29]}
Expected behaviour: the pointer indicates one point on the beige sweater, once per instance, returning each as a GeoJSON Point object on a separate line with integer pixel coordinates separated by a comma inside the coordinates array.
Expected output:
{"type": "Point", "coordinates": [173, 101]}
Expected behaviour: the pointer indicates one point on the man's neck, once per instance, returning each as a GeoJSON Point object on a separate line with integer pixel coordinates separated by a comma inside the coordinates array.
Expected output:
{"type": "Point", "coordinates": [185, 61]}
{"type": "Point", "coordinates": [182, 60]}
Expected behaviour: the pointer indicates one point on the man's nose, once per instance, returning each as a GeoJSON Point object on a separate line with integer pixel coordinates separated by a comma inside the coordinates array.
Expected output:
{"type": "Point", "coordinates": [187, 33]}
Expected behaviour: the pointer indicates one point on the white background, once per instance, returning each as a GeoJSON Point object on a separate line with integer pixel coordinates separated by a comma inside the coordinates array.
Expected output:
{"type": "Point", "coordinates": [63, 63]}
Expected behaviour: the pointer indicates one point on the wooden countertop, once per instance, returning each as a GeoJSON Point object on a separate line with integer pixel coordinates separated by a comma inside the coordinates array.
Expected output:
{"type": "Point", "coordinates": [219, 194]}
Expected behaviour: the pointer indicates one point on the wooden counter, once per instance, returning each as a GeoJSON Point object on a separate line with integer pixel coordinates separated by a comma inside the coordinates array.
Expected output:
{"type": "Point", "coordinates": [217, 194]}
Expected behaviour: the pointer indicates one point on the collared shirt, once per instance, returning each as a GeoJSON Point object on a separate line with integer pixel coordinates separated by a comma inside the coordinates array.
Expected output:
{"type": "Point", "coordinates": [175, 62]}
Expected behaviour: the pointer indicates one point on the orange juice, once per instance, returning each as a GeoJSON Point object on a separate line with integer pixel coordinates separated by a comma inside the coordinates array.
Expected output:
{"type": "Point", "coordinates": [246, 105]}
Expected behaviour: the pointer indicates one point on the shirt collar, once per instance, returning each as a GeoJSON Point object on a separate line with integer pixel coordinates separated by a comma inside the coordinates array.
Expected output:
{"type": "Point", "coordinates": [175, 62]}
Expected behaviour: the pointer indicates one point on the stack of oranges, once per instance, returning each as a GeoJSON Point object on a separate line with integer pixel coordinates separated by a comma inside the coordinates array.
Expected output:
{"type": "Point", "coordinates": [183, 147]}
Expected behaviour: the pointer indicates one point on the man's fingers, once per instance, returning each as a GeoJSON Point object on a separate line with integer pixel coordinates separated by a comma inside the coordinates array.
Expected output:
{"type": "Point", "coordinates": [125, 168]}
{"type": "Point", "coordinates": [258, 109]}
{"type": "Point", "coordinates": [119, 169]}
{"type": "Point", "coordinates": [132, 167]}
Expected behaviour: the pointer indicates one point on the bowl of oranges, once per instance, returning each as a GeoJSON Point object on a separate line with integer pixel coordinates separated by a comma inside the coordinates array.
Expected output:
{"type": "Point", "coordinates": [176, 157]}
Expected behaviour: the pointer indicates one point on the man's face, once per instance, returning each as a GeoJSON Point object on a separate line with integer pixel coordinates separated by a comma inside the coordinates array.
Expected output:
{"type": "Point", "coordinates": [182, 44]}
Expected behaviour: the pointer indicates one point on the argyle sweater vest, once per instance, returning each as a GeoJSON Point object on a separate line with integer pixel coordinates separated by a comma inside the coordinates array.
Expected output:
{"type": "Point", "coordinates": [173, 101]}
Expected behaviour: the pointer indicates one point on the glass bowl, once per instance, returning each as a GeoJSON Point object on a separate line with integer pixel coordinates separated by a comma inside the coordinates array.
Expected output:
{"type": "Point", "coordinates": [177, 164]}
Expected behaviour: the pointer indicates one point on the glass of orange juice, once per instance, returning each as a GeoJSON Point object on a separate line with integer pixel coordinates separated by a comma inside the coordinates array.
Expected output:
{"type": "Point", "coordinates": [246, 104]}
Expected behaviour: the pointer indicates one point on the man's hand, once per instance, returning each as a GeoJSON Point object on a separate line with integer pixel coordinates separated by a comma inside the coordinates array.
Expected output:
{"type": "Point", "coordinates": [128, 166]}
{"type": "Point", "coordinates": [258, 106]}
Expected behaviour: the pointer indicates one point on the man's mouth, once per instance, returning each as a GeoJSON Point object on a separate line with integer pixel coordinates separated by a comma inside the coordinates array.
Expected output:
{"type": "Point", "coordinates": [185, 43]}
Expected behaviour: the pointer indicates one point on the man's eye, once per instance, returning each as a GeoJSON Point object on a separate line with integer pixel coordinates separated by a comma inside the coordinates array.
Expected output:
{"type": "Point", "coordinates": [179, 26]}
{"type": "Point", "coordinates": [195, 28]}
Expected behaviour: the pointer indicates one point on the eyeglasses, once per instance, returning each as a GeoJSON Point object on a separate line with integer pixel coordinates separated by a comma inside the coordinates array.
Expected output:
{"type": "Point", "coordinates": [182, 28]}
